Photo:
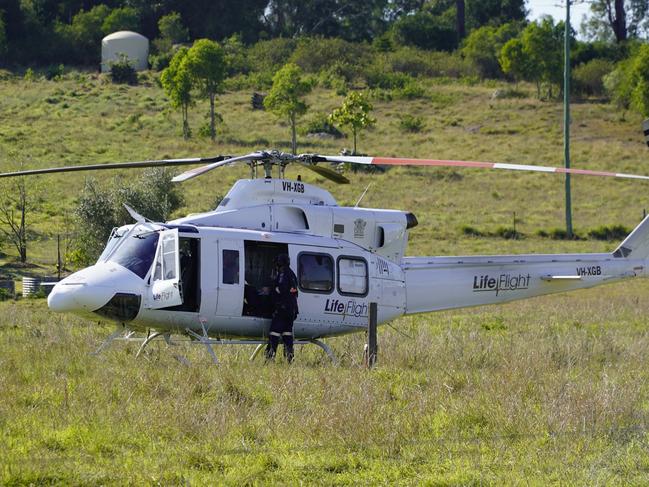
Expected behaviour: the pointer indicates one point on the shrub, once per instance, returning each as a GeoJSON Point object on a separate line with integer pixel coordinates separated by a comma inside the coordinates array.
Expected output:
{"type": "Point", "coordinates": [471, 231]}
{"type": "Point", "coordinates": [508, 233]}
{"type": "Point", "coordinates": [122, 71]}
{"type": "Point", "coordinates": [610, 232]}
{"type": "Point", "coordinates": [54, 72]}
{"type": "Point", "coordinates": [319, 123]}
{"type": "Point", "coordinates": [410, 123]}
{"type": "Point", "coordinates": [269, 56]}
{"type": "Point", "coordinates": [160, 61]}
{"type": "Point", "coordinates": [588, 78]}
{"type": "Point", "coordinates": [316, 54]}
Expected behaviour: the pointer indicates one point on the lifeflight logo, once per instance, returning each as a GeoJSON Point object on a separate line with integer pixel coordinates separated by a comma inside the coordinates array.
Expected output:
{"type": "Point", "coordinates": [349, 308]}
{"type": "Point", "coordinates": [504, 282]}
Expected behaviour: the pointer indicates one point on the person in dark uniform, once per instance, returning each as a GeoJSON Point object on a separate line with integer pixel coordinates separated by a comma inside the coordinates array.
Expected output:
{"type": "Point", "coordinates": [285, 309]}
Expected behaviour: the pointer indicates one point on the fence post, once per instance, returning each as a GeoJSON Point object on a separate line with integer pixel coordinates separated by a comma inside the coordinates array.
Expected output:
{"type": "Point", "coordinates": [372, 344]}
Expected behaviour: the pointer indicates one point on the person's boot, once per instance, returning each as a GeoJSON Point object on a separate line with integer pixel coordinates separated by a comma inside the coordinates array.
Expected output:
{"type": "Point", "coordinates": [271, 348]}
{"type": "Point", "coordinates": [289, 353]}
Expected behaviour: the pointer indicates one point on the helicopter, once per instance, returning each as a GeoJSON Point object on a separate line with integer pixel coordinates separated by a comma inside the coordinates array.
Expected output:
{"type": "Point", "coordinates": [206, 276]}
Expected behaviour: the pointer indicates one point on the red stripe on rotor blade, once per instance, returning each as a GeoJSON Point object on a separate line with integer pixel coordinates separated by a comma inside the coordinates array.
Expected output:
{"type": "Point", "coordinates": [585, 172]}
{"type": "Point", "coordinates": [430, 162]}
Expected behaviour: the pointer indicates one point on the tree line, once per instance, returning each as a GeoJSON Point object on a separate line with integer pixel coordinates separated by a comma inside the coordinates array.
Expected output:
{"type": "Point", "coordinates": [36, 32]}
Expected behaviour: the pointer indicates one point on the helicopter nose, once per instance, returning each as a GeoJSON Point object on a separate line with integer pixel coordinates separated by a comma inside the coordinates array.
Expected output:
{"type": "Point", "coordinates": [92, 288]}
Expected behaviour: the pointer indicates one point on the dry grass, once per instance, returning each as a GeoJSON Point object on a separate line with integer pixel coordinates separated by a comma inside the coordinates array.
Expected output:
{"type": "Point", "coordinates": [549, 390]}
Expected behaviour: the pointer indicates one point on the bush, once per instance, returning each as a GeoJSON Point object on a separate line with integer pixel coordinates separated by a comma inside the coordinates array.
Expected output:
{"type": "Point", "coordinates": [316, 54]}
{"type": "Point", "coordinates": [54, 72]}
{"type": "Point", "coordinates": [558, 234]}
{"type": "Point", "coordinates": [425, 31]}
{"type": "Point", "coordinates": [611, 232]}
{"type": "Point", "coordinates": [319, 124]}
{"type": "Point", "coordinates": [160, 61]}
{"type": "Point", "coordinates": [410, 123]}
{"type": "Point", "coordinates": [122, 71]}
{"type": "Point", "coordinates": [471, 231]}
{"type": "Point", "coordinates": [269, 56]}
{"type": "Point", "coordinates": [588, 78]}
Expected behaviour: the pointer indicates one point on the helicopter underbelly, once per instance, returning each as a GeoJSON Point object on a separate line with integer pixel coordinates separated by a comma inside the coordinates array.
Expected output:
{"type": "Point", "coordinates": [256, 328]}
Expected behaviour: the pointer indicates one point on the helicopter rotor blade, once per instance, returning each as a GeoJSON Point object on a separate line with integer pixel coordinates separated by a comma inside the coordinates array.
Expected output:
{"type": "Point", "coordinates": [116, 165]}
{"type": "Point", "coordinates": [398, 161]}
{"type": "Point", "coordinates": [326, 172]}
{"type": "Point", "coordinates": [197, 171]}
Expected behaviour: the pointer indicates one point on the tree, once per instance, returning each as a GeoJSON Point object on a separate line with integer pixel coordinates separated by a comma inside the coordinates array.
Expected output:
{"type": "Point", "coordinates": [536, 55]}
{"type": "Point", "coordinates": [484, 44]}
{"type": "Point", "coordinates": [426, 31]}
{"type": "Point", "coordinates": [16, 201]}
{"type": "Point", "coordinates": [285, 97]}
{"type": "Point", "coordinates": [177, 83]}
{"type": "Point", "coordinates": [172, 31]}
{"type": "Point", "coordinates": [100, 209]}
{"type": "Point", "coordinates": [125, 18]}
{"type": "Point", "coordinates": [354, 113]}
{"type": "Point", "coordinates": [205, 62]}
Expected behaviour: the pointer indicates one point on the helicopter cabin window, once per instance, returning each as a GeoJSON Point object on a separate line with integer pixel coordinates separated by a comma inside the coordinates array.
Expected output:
{"type": "Point", "coordinates": [352, 276]}
{"type": "Point", "coordinates": [230, 266]}
{"type": "Point", "coordinates": [316, 272]}
{"type": "Point", "coordinates": [260, 273]}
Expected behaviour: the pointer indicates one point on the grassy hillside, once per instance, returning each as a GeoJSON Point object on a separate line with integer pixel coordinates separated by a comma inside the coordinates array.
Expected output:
{"type": "Point", "coordinates": [550, 390]}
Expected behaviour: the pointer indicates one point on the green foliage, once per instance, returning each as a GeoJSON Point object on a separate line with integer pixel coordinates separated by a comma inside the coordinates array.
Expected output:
{"type": "Point", "coordinates": [177, 83]}
{"type": "Point", "coordinates": [617, 85]}
{"type": "Point", "coordinates": [426, 31]}
{"type": "Point", "coordinates": [639, 80]}
{"type": "Point", "coordinates": [285, 97]}
{"type": "Point", "coordinates": [172, 30]}
{"type": "Point", "coordinates": [609, 232]}
{"type": "Point", "coordinates": [122, 71]}
{"type": "Point", "coordinates": [411, 123]}
{"type": "Point", "coordinates": [4, 46]}
{"type": "Point", "coordinates": [100, 209]}
{"type": "Point", "coordinates": [29, 75]}
{"type": "Point", "coordinates": [483, 46]}
{"type": "Point", "coordinates": [588, 78]}
{"type": "Point", "coordinates": [235, 56]}
{"type": "Point", "coordinates": [160, 61]}
{"type": "Point", "coordinates": [536, 54]}
{"type": "Point", "coordinates": [54, 72]}
{"type": "Point", "coordinates": [354, 114]}
{"type": "Point", "coordinates": [82, 37]}
{"type": "Point", "coordinates": [313, 55]}
{"type": "Point", "coordinates": [320, 123]}
{"type": "Point", "coordinates": [125, 18]}
{"type": "Point", "coordinates": [206, 64]}
{"type": "Point", "coordinates": [270, 55]}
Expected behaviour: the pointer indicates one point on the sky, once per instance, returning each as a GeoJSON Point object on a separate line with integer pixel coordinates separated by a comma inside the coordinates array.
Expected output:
{"type": "Point", "coordinates": [557, 8]}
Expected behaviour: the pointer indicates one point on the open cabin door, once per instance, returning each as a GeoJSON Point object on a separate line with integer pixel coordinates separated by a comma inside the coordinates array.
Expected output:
{"type": "Point", "coordinates": [165, 289]}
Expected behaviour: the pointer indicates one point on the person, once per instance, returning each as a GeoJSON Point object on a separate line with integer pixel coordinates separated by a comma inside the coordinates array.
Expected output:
{"type": "Point", "coordinates": [285, 310]}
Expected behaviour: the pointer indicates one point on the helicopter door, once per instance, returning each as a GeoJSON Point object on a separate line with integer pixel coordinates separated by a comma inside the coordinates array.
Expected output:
{"type": "Point", "coordinates": [165, 287]}
{"type": "Point", "coordinates": [230, 288]}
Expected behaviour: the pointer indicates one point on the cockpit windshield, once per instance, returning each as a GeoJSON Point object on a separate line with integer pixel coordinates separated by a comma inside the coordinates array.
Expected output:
{"type": "Point", "coordinates": [137, 251]}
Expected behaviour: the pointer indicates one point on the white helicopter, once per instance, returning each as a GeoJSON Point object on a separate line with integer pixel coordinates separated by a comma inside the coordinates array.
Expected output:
{"type": "Point", "coordinates": [206, 275]}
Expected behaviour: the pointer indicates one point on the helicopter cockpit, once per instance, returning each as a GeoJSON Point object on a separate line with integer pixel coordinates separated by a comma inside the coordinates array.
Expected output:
{"type": "Point", "coordinates": [133, 247]}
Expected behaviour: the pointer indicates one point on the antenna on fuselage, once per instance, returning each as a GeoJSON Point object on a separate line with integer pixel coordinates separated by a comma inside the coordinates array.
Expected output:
{"type": "Point", "coordinates": [362, 196]}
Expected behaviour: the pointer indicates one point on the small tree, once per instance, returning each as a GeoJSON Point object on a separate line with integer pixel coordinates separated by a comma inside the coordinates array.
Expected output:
{"type": "Point", "coordinates": [15, 203]}
{"type": "Point", "coordinates": [354, 113]}
{"type": "Point", "coordinates": [100, 209]}
{"type": "Point", "coordinates": [177, 83]}
{"type": "Point", "coordinates": [285, 97]}
{"type": "Point", "coordinates": [206, 65]}
{"type": "Point", "coordinates": [125, 18]}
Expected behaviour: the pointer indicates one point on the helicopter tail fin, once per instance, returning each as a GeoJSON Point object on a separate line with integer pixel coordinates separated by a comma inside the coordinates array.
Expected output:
{"type": "Point", "coordinates": [636, 244]}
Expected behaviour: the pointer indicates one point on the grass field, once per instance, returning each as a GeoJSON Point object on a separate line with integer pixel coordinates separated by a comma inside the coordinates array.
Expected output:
{"type": "Point", "coordinates": [550, 390]}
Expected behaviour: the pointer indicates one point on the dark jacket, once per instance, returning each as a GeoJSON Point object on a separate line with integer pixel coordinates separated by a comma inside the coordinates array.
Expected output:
{"type": "Point", "coordinates": [286, 292]}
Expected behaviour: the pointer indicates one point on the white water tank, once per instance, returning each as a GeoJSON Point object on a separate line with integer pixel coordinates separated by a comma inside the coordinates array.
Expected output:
{"type": "Point", "coordinates": [134, 45]}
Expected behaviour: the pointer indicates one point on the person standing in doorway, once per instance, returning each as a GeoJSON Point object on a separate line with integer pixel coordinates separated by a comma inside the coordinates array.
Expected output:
{"type": "Point", "coordinates": [285, 309]}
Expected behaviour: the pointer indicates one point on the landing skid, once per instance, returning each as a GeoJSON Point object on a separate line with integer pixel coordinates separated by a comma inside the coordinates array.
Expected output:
{"type": "Point", "coordinates": [200, 339]}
